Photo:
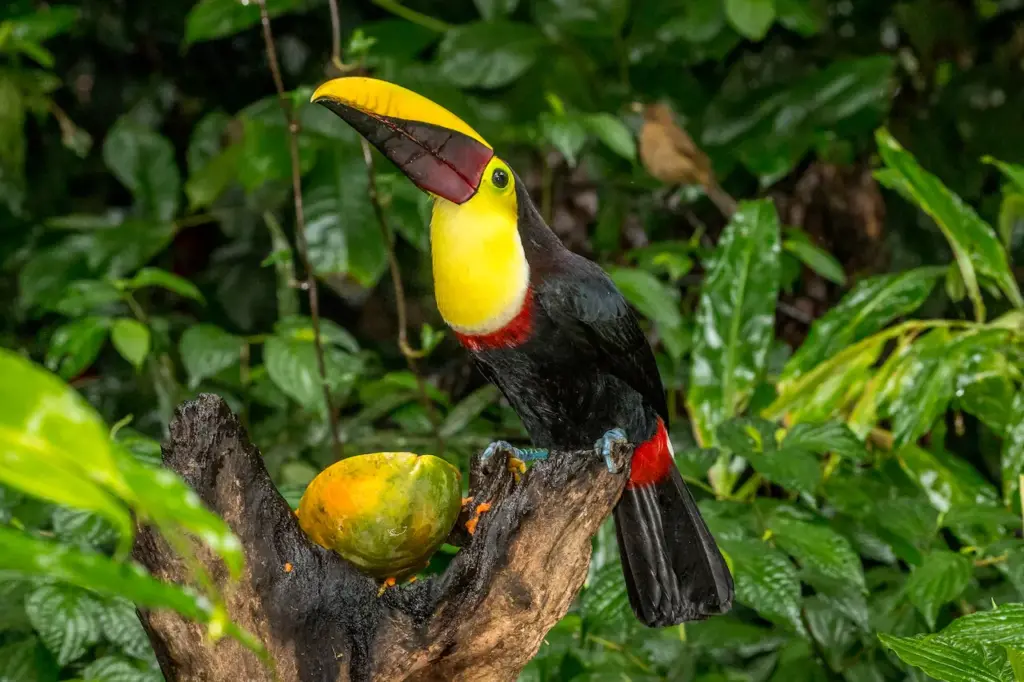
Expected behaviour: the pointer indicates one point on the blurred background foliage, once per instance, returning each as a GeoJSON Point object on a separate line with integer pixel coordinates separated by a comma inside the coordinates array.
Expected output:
{"type": "Point", "coordinates": [844, 358]}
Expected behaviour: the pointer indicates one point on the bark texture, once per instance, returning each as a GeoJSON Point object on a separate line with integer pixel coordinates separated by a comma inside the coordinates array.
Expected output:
{"type": "Point", "coordinates": [483, 619]}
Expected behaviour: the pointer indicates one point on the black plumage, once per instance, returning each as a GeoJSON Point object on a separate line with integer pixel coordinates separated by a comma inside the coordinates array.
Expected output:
{"type": "Point", "coordinates": [587, 368]}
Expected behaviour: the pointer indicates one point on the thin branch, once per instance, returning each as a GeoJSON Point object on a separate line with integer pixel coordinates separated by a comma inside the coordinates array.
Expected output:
{"type": "Point", "coordinates": [411, 354]}
{"type": "Point", "coordinates": [419, 18]}
{"type": "Point", "coordinates": [336, 36]}
{"type": "Point", "coordinates": [300, 220]}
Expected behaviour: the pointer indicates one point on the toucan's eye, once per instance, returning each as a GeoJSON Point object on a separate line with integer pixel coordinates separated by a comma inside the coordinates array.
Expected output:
{"type": "Point", "coordinates": [499, 178]}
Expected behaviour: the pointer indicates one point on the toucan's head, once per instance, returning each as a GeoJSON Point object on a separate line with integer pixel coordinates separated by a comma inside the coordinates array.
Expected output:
{"type": "Point", "coordinates": [435, 149]}
{"type": "Point", "coordinates": [480, 269]}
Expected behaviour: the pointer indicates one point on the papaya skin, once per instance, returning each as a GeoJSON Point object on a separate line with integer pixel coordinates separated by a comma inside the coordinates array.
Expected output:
{"type": "Point", "coordinates": [385, 512]}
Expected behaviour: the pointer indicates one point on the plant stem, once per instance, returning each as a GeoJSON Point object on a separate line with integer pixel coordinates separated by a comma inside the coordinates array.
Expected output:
{"type": "Point", "coordinates": [412, 15]}
{"type": "Point", "coordinates": [411, 354]}
{"type": "Point", "coordinates": [300, 220]}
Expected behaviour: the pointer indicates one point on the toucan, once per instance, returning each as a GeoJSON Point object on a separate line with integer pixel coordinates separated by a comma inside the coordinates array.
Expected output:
{"type": "Point", "coordinates": [551, 330]}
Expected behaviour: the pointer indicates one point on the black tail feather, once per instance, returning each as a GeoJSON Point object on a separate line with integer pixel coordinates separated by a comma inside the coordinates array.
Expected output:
{"type": "Point", "coordinates": [672, 567]}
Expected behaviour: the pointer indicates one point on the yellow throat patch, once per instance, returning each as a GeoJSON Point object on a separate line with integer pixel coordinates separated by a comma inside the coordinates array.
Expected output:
{"type": "Point", "coordinates": [480, 270]}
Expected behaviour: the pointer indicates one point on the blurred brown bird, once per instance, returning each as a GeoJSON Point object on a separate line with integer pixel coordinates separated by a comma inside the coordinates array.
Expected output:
{"type": "Point", "coordinates": [669, 154]}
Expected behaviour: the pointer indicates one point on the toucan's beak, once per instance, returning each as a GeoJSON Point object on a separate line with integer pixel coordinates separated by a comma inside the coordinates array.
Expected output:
{"type": "Point", "coordinates": [431, 145]}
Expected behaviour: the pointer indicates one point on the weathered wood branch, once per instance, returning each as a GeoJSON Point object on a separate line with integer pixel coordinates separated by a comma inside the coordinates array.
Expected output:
{"type": "Point", "coordinates": [482, 619]}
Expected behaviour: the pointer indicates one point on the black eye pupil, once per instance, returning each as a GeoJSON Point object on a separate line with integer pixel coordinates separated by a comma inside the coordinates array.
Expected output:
{"type": "Point", "coordinates": [499, 178]}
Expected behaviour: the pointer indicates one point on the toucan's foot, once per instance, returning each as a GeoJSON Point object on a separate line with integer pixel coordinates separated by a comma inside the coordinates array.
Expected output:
{"type": "Point", "coordinates": [388, 582]}
{"type": "Point", "coordinates": [480, 509]}
{"type": "Point", "coordinates": [606, 444]}
{"type": "Point", "coordinates": [521, 455]}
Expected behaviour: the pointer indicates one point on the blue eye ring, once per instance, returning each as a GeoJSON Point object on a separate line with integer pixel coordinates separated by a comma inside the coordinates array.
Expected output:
{"type": "Point", "coordinates": [499, 178]}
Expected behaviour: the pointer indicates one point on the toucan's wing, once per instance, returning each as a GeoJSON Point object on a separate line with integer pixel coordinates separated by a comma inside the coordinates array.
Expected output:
{"type": "Point", "coordinates": [582, 299]}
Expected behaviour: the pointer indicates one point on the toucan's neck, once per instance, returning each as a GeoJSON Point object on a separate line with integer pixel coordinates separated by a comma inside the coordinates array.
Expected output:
{"type": "Point", "coordinates": [481, 274]}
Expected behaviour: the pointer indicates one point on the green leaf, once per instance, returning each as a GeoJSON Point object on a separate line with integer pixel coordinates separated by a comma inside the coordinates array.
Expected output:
{"type": "Point", "coordinates": [567, 134]}
{"type": "Point", "coordinates": [766, 581]}
{"type": "Point", "coordinates": [1011, 218]}
{"type": "Point", "coordinates": [806, 17]}
{"type": "Point", "coordinates": [342, 230]}
{"type": "Point", "coordinates": [1003, 625]}
{"type": "Point", "coordinates": [974, 242]}
{"type": "Point", "coordinates": [870, 305]}
{"type": "Point", "coordinates": [144, 163]}
{"type": "Point", "coordinates": [74, 346]}
{"type": "Point", "coordinates": [1016, 658]}
{"type": "Point", "coordinates": [468, 409]}
{"type": "Point", "coordinates": [44, 23]}
{"type": "Point", "coordinates": [752, 18]}
{"type": "Point", "coordinates": [945, 659]}
{"type": "Point", "coordinates": [117, 669]}
{"type": "Point", "coordinates": [209, 19]}
{"type": "Point", "coordinates": [818, 548]}
{"type": "Point", "coordinates": [206, 350]}
{"type": "Point", "coordinates": [488, 54]}
{"type": "Point", "coordinates": [1013, 450]}
{"type": "Point", "coordinates": [945, 479]}
{"type": "Point", "coordinates": [265, 155]}
{"type": "Point", "coordinates": [817, 259]}
{"type": "Point", "coordinates": [26, 660]}
{"type": "Point", "coordinates": [654, 299]}
{"type": "Point", "coordinates": [735, 318]}
{"type": "Point", "coordinates": [495, 9]}
{"type": "Point", "coordinates": [131, 339]}
{"type": "Point", "coordinates": [164, 500]}
{"type": "Point", "coordinates": [792, 469]}
{"type": "Point", "coordinates": [300, 328]}
{"type": "Point", "coordinates": [942, 577]}
{"type": "Point", "coordinates": [204, 186]}
{"type": "Point", "coordinates": [65, 619]}
{"type": "Point", "coordinates": [12, 144]}
{"type": "Point", "coordinates": [588, 18]}
{"type": "Point", "coordinates": [155, 277]}
{"type": "Point", "coordinates": [206, 140]}
{"type": "Point", "coordinates": [81, 528]}
{"type": "Point", "coordinates": [292, 366]}
{"type": "Point", "coordinates": [1013, 172]}
{"type": "Point", "coordinates": [56, 446]}
{"type": "Point", "coordinates": [828, 437]}
{"type": "Point", "coordinates": [613, 133]}
{"type": "Point", "coordinates": [121, 626]}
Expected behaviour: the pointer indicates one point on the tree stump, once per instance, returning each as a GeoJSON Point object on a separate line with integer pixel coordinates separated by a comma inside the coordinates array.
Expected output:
{"type": "Point", "coordinates": [321, 619]}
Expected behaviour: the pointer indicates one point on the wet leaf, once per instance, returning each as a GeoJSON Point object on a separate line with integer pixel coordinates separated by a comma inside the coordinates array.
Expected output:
{"type": "Point", "coordinates": [814, 257]}
{"type": "Point", "coordinates": [1003, 625]}
{"type": "Point", "coordinates": [613, 133]}
{"type": "Point", "coordinates": [1013, 450]}
{"type": "Point", "coordinates": [827, 437]}
{"type": "Point", "coordinates": [766, 581]}
{"type": "Point", "coordinates": [144, 162]}
{"type": "Point", "coordinates": [495, 9]}
{"type": "Point", "coordinates": [292, 366]}
{"type": "Point", "coordinates": [488, 54]}
{"type": "Point", "coordinates": [468, 409]}
{"type": "Point", "coordinates": [870, 305]}
{"type": "Point", "coordinates": [941, 578]}
{"type": "Point", "coordinates": [588, 18]}
{"type": "Point", "coordinates": [752, 18]}
{"type": "Point", "coordinates": [74, 346]}
{"type": "Point", "coordinates": [131, 338]}
{"type": "Point", "coordinates": [155, 277]}
{"type": "Point", "coordinates": [974, 242]}
{"type": "Point", "coordinates": [207, 350]}
{"type": "Point", "coordinates": [735, 318]}
{"type": "Point", "coordinates": [342, 230]}
{"type": "Point", "coordinates": [818, 548]}
{"type": "Point", "coordinates": [209, 19]}
{"type": "Point", "coordinates": [946, 659]}
{"type": "Point", "coordinates": [65, 619]}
